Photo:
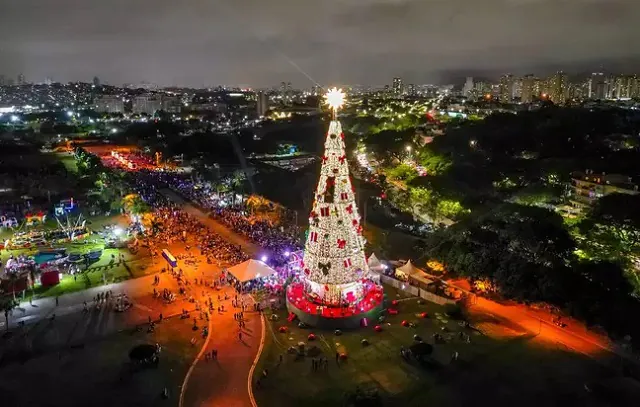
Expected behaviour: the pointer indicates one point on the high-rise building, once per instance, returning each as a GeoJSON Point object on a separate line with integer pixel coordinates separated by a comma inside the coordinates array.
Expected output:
{"type": "Point", "coordinates": [527, 93]}
{"type": "Point", "coordinates": [625, 87]}
{"type": "Point", "coordinates": [21, 80]}
{"type": "Point", "coordinates": [397, 86]}
{"type": "Point", "coordinates": [468, 87]}
{"type": "Point", "coordinates": [171, 104]}
{"type": "Point", "coordinates": [597, 88]}
{"type": "Point", "coordinates": [559, 88]}
{"type": "Point", "coordinates": [48, 80]}
{"type": "Point", "coordinates": [481, 89]}
{"type": "Point", "coordinates": [411, 90]}
{"type": "Point", "coordinates": [506, 88]}
{"type": "Point", "coordinates": [262, 103]}
{"type": "Point", "coordinates": [2, 81]}
{"type": "Point", "coordinates": [286, 90]}
{"type": "Point", "coordinates": [516, 90]}
{"type": "Point", "coordinates": [147, 103]}
{"type": "Point", "coordinates": [109, 104]}
{"type": "Point", "coordinates": [96, 81]}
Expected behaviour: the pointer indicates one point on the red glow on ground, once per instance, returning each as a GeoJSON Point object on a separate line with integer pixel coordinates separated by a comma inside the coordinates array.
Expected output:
{"type": "Point", "coordinates": [298, 298]}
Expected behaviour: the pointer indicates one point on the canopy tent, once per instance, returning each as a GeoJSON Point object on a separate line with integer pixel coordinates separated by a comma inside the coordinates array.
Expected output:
{"type": "Point", "coordinates": [411, 271]}
{"type": "Point", "coordinates": [250, 270]}
{"type": "Point", "coordinates": [375, 264]}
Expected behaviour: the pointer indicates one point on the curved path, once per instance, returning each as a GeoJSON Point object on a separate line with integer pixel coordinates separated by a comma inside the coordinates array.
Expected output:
{"type": "Point", "coordinates": [226, 381]}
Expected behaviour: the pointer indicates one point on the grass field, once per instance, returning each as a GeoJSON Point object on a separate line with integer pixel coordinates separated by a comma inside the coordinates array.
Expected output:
{"type": "Point", "coordinates": [68, 161]}
{"type": "Point", "coordinates": [93, 368]}
{"type": "Point", "coordinates": [107, 270]}
{"type": "Point", "coordinates": [512, 370]}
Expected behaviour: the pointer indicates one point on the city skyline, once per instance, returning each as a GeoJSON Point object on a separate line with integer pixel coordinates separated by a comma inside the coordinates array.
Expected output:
{"type": "Point", "coordinates": [255, 44]}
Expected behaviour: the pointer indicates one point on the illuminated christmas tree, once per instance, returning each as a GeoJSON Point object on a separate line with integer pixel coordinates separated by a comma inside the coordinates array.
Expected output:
{"type": "Point", "coordinates": [334, 261]}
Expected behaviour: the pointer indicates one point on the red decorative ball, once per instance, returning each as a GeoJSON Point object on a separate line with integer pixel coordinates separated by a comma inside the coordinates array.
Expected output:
{"type": "Point", "coordinates": [394, 303]}
{"type": "Point", "coordinates": [377, 328]}
{"type": "Point", "coordinates": [424, 315]}
{"type": "Point", "coordinates": [311, 337]}
{"type": "Point", "coordinates": [283, 329]}
{"type": "Point", "coordinates": [405, 323]}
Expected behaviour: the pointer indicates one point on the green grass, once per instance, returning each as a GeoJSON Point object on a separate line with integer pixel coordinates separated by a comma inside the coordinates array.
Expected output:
{"type": "Point", "coordinates": [99, 272]}
{"type": "Point", "coordinates": [68, 161]}
{"type": "Point", "coordinates": [514, 371]}
{"type": "Point", "coordinates": [96, 373]}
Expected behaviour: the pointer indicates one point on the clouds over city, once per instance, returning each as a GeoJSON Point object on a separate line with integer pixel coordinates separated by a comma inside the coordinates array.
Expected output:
{"type": "Point", "coordinates": [259, 43]}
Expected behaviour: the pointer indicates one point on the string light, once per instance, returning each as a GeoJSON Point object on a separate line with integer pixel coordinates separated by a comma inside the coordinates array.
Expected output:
{"type": "Point", "coordinates": [334, 257]}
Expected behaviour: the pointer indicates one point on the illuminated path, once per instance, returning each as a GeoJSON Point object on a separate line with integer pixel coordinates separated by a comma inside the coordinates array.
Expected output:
{"type": "Point", "coordinates": [574, 337]}
{"type": "Point", "coordinates": [225, 382]}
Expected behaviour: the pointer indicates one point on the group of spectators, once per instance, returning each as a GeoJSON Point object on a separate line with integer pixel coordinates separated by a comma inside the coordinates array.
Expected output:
{"type": "Point", "coordinates": [278, 241]}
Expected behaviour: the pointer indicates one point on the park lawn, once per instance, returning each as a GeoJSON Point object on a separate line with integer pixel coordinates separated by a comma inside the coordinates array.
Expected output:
{"type": "Point", "coordinates": [99, 273]}
{"type": "Point", "coordinates": [509, 369]}
{"type": "Point", "coordinates": [93, 369]}
{"type": "Point", "coordinates": [69, 162]}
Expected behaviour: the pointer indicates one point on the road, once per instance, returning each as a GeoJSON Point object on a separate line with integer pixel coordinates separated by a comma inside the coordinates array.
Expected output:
{"type": "Point", "coordinates": [574, 336]}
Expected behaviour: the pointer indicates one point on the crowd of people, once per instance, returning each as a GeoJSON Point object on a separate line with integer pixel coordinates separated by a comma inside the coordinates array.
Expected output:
{"type": "Point", "coordinates": [174, 225]}
{"type": "Point", "coordinates": [277, 241]}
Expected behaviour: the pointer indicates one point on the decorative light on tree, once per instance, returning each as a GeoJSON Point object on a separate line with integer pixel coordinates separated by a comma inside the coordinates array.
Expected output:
{"type": "Point", "coordinates": [335, 99]}
{"type": "Point", "coordinates": [334, 260]}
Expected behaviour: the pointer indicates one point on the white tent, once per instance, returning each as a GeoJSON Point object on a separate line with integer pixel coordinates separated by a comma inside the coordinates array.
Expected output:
{"type": "Point", "coordinates": [408, 269]}
{"type": "Point", "coordinates": [250, 270]}
{"type": "Point", "coordinates": [374, 264]}
{"type": "Point", "coordinates": [411, 271]}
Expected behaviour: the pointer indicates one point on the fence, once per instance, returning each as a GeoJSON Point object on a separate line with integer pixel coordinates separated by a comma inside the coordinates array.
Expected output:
{"type": "Point", "coordinates": [415, 291]}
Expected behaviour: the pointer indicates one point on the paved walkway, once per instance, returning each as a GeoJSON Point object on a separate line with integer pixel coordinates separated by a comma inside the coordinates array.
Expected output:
{"type": "Point", "coordinates": [226, 381]}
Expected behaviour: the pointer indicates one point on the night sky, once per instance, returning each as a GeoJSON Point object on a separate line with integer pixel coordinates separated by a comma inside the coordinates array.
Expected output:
{"type": "Point", "coordinates": [259, 42]}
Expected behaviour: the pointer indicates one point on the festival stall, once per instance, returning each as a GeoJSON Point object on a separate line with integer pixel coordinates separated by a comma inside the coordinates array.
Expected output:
{"type": "Point", "coordinates": [409, 272]}
{"type": "Point", "coordinates": [251, 270]}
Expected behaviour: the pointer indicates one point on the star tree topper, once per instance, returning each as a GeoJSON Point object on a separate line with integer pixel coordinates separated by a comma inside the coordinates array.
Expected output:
{"type": "Point", "coordinates": [335, 99]}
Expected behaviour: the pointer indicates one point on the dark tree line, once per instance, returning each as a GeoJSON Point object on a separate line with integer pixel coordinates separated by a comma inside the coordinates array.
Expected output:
{"type": "Point", "coordinates": [528, 255]}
